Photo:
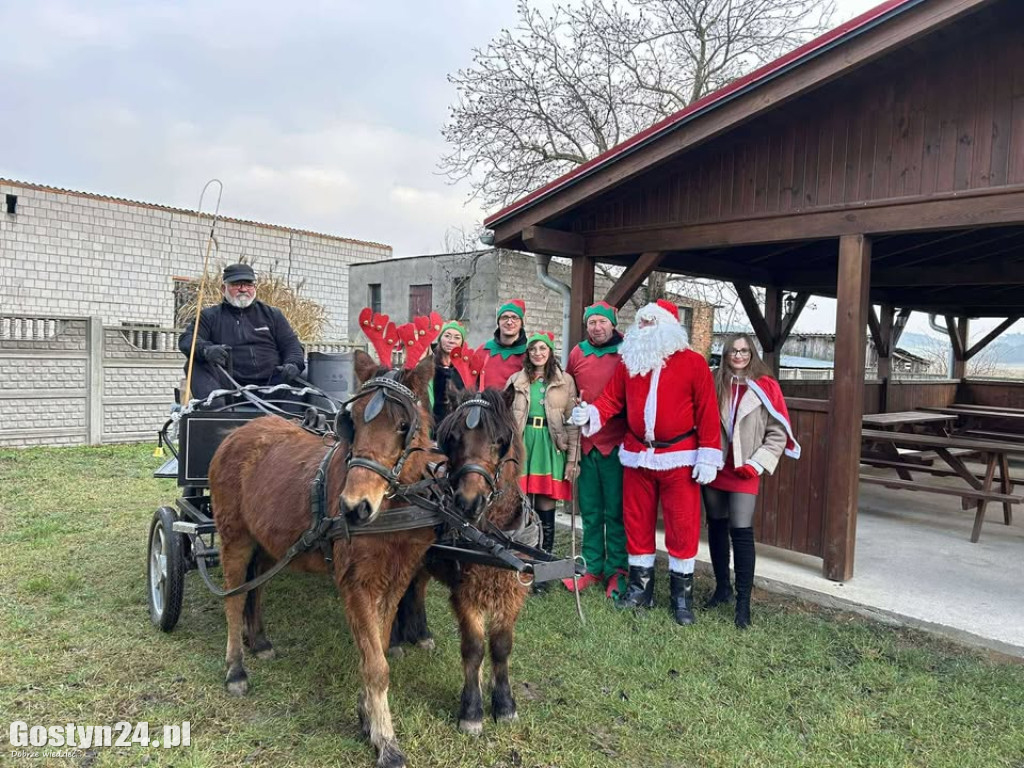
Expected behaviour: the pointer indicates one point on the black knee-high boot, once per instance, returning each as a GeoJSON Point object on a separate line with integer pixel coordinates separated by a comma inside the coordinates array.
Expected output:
{"type": "Point", "coordinates": [718, 544]}
{"type": "Point", "coordinates": [547, 540]}
{"type": "Point", "coordinates": [743, 559]}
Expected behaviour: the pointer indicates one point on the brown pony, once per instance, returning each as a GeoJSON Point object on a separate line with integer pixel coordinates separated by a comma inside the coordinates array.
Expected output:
{"type": "Point", "coordinates": [260, 481]}
{"type": "Point", "coordinates": [484, 452]}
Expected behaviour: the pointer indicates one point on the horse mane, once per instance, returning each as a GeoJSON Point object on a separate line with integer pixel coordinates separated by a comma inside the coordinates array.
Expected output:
{"type": "Point", "coordinates": [498, 426]}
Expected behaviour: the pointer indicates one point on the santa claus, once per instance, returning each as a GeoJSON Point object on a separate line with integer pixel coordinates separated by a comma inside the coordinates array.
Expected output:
{"type": "Point", "coordinates": [671, 447]}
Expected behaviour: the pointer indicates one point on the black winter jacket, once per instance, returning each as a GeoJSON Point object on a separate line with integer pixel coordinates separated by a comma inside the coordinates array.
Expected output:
{"type": "Point", "coordinates": [259, 336]}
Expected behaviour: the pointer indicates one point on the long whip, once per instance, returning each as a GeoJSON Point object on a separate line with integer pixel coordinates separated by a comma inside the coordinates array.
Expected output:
{"type": "Point", "coordinates": [210, 242]}
{"type": "Point", "coordinates": [572, 530]}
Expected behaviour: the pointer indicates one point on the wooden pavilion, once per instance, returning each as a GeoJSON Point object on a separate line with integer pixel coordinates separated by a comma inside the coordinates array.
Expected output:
{"type": "Point", "coordinates": [882, 164]}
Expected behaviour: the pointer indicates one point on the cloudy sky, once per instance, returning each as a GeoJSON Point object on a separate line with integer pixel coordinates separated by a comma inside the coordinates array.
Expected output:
{"type": "Point", "coordinates": [324, 115]}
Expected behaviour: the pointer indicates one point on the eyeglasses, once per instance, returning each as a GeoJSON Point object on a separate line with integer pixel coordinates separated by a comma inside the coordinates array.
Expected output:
{"type": "Point", "coordinates": [508, 319]}
{"type": "Point", "coordinates": [241, 284]}
{"type": "Point", "coordinates": [739, 352]}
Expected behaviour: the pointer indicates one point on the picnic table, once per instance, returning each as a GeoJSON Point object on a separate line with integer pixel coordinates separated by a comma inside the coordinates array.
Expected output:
{"type": "Point", "coordinates": [980, 489]}
{"type": "Point", "coordinates": [1011, 418]}
{"type": "Point", "coordinates": [900, 419]}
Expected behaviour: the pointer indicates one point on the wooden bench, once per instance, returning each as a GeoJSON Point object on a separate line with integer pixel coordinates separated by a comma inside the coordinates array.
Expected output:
{"type": "Point", "coordinates": [980, 497]}
{"type": "Point", "coordinates": [950, 448]}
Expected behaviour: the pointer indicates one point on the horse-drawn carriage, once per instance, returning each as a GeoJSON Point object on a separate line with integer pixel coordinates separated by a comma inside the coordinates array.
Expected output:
{"type": "Point", "coordinates": [356, 488]}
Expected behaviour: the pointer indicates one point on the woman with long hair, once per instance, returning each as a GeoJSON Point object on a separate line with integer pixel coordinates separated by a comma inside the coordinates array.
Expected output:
{"type": "Point", "coordinates": [544, 399]}
{"type": "Point", "coordinates": [755, 433]}
{"type": "Point", "coordinates": [453, 335]}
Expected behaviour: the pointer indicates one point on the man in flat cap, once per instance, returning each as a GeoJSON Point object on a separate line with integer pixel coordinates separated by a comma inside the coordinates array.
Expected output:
{"type": "Point", "coordinates": [251, 339]}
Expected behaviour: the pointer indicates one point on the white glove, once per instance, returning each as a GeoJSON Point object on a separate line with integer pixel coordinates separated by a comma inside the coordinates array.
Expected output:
{"type": "Point", "coordinates": [704, 473]}
{"type": "Point", "coordinates": [580, 415]}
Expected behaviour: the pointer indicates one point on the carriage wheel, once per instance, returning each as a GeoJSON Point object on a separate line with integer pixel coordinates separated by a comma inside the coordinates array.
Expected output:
{"type": "Point", "coordinates": [166, 570]}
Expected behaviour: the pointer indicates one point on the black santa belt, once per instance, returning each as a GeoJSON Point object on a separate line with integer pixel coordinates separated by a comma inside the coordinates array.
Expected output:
{"type": "Point", "coordinates": [669, 443]}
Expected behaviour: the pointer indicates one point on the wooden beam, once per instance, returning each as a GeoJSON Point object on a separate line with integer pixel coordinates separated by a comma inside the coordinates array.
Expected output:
{"type": "Point", "coordinates": [1001, 272]}
{"type": "Point", "coordinates": [553, 242]}
{"type": "Point", "coordinates": [875, 330]}
{"type": "Point", "coordinates": [789, 321]}
{"type": "Point", "coordinates": [753, 310]}
{"type": "Point", "coordinates": [773, 319]}
{"type": "Point", "coordinates": [990, 337]}
{"type": "Point", "coordinates": [844, 439]}
{"type": "Point", "coordinates": [582, 296]}
{"type": "Point", "coordinates": [717, 117]}
{"type": "Point", "coordinates": [962, 326]}
{"type": "Point", "coordinates": [719, 268]}
{"type": "Point", "coordinates": [899, 325]}
{"type": "Point", "coordinates": [883, 346]}
{"type": "Point", "coordinates": [936, 212]}
{"type": "Point", "coordinates": [631, 279]}
{"type": "Point", "coordinates": [954, 337]}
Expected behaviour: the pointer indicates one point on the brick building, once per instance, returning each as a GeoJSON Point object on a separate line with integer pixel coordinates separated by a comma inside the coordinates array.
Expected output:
{"type": "Point", "coordinates": [72, 254]}
{"type": "Point", "coordinates": [469, 286]}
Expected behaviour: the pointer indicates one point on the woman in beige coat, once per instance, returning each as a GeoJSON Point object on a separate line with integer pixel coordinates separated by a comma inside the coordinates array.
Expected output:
{"type": "Point", "coordinates": [544, 399]}
{"type": "Point", "coordinates": [755, 433]}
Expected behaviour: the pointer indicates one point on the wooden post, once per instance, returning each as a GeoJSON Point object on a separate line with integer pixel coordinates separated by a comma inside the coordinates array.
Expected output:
{"type": "Point", "coordinates": [884, 347]}
{"type": "Point", "coordinates": [960, 348]}
{"type": "Point", "coordinates": [582, 297]}
{"type": "Point", "coordinates": [773, 319]}
{"type": "Point", "coordinates": [847, 406]}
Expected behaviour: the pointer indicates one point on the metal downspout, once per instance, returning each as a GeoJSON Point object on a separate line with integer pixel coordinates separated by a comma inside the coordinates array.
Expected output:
{"type": "Point", "coordinates": [543, 263]}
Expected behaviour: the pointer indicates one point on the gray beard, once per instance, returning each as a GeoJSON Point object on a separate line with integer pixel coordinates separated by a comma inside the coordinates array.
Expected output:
{"type": "Point", "coordinates": [241, 301]}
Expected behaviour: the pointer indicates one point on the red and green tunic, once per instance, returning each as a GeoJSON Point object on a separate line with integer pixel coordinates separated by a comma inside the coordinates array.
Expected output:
{"type": "Point", "coordinates": [544, 468]}
{"type": "Point", "coordinates": [591, 368]}
{"type": "Point", "coordinates": [502, 363]}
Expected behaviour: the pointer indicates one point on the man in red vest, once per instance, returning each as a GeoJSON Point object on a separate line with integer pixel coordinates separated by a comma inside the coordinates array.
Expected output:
{"type": "Point", "coordinates": [591, 364]}
{"type": "Point", "coordinates": [508, 347]}
{"type": "Point", "coordinates": [672, 446]}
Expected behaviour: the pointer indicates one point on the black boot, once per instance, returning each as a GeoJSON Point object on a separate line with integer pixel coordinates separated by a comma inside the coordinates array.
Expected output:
{"type": "Point", "coordinates": [547, 542]}
{"type": "Point", "coordinates": [718, 544]}
{"type": "Point", "coordinates": [743, 557]}
{"type": "Point", "coordinates": [681, 601]}
{"type": "Point", "coordinates": [640, 590]}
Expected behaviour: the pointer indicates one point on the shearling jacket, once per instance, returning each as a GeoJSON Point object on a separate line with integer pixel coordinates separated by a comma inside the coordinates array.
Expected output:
{"type": "Point", "coordinates": [756, 435]}
{"type": "Point", "coordinates": [559, 400]}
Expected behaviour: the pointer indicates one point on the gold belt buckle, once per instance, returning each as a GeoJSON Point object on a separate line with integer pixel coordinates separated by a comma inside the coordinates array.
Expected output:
{"type": "Point", "coordinates": [538, 421]}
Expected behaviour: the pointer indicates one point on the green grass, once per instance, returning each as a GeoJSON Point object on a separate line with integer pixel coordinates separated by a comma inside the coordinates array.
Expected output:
{"type": "Point", "coordinates": [803, 687]}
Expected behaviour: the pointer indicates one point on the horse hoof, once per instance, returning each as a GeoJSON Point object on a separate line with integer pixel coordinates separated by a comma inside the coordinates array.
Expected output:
{"type": "Point", "coordinates": [396, 652]}
{"type": "Point", "coordinates": [506, 717]}
{"type": "Point", "coordinates": [472, 727]}
{"type": "Point", "coordinates": [237, 681]}
{"type": "Point", "coordinates": [266, 653]}
{"type": "Point", "coordinates": [390, 756]}
{"type": "Point", "coordinates": [427, 644]}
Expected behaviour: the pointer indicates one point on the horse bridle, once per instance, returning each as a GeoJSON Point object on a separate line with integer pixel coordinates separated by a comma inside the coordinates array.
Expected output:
{"type": "Point", "coordinates": [380, 389]}
{"type": "Point", "coordinates": [472, 422]}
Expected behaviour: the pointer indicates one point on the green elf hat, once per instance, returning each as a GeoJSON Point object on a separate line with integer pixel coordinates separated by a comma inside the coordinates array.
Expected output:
{"type": "Point", "coordinates": [546, 336]}
{"type": "Point", "coordinates": [515, 306]}
{"type": "Point", "coordinates": [454, 325]}
{"type": "Point", "coordinates": [603, 309]}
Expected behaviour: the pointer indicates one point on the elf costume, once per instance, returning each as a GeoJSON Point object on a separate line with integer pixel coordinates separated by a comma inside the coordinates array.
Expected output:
{"type": "Point", "coordinates": [505, 361]}
{"type": "Point", "coordinates": [600, 480]}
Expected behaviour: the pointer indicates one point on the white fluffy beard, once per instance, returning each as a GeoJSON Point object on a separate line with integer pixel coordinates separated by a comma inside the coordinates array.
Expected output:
{"type": "Point", "coordinates": [241, 301]}
{"type": "Point", "coordinates": [645, 349]}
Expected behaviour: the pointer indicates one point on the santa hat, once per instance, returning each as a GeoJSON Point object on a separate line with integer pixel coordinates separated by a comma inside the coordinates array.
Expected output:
{"type": "Point", "coordinates": [662, 310]}
{"type": "Point", "coordinates": [669, 307]}
{"type": "Point", "coordinates": [601, 309]}
{"type": "Point", "coordinates": [515, 306]}
{"type": "Point", "coordinates": [546, 336]}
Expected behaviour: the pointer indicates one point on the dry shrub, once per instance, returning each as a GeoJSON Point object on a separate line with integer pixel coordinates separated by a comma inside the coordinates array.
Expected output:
{"type": "Point", "coordinates": [307, 317]}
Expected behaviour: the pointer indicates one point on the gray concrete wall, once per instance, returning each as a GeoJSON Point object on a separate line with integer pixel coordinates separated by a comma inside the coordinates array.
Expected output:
{"type": "Point", "coordinates": [74, 381]}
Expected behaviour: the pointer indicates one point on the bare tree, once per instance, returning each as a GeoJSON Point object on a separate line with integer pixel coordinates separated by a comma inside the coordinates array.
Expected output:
{"type": "Point", "coordinates": [566, 85]}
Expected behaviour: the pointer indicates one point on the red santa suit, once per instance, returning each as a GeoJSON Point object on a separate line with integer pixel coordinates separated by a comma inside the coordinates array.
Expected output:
{"type": "Point", "coordinates": [673, 424]}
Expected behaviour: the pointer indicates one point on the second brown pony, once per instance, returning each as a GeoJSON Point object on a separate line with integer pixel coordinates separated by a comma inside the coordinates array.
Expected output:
{"type": "Point", "coordinates": [260, 481]}
{"type": "Point", "coordinates": [483, 463]}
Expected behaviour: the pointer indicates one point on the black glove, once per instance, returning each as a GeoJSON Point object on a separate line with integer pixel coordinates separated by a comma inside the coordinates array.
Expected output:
{"type": "Point", "coordinates": [217, 354]}
{"type": "Point", "coordinates": [288, 371]}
